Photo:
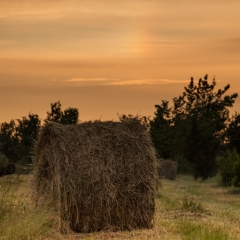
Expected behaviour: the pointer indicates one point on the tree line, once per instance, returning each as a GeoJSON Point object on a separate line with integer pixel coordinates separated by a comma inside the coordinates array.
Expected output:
{"type": "Point", "coordinates": [192, 130]}
{"type": "Point", "coordinates": [17, 136]}
{"type": "Point", "coordinates": [197, 131]}
{"type": "Point", "coordinates": [197, 127]}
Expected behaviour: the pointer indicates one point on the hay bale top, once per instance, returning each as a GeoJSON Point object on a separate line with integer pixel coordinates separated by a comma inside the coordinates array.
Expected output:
{"type": "Point", "coordinates": [89, 131]}
{"type": "Point", "coordinates": [101, 175]}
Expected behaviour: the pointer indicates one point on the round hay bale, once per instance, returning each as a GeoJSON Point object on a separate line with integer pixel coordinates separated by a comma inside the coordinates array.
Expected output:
{"type": "Point", "coordinates": [167, 168]}
{"type": "Point", "coordinates": [6, 168]}
{"type": "Point", "coordinates": [99, 175]}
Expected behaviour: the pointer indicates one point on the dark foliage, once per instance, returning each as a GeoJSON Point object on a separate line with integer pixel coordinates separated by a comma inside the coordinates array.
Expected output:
{"type": "Point", "coordinates": [233, 133]}
{"type": "Point", "coordinates": [6, 167]}
{"type": "Point", "coordinates": [194, 127]}
{"type": "Point", "coordinates": [229, 167]}
{"type": "Point", "coordinates": [17, 136]}
{"type": "Point", "coordinates": [27, 131]}
{"type": "Point", "coordinates": [68, 116]}
{"type": "Point", "coordinates": [167, 168]}
{"type": "Point", "coordinates": [161, 130]}
{"type": "Point", "coordinates": [9, 140]}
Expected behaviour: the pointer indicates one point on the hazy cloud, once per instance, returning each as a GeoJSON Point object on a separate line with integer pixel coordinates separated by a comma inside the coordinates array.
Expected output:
{"type": "Point", "coordinates": [146, 82]}
{"type": "Point", "coordinates": [118, 82]}
{"type": "Point", "coordinates": [74, 80]}
{"type": "Point", "coordinates": [143, 45]}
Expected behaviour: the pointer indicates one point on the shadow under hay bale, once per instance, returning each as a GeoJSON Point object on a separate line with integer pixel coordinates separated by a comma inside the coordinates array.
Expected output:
{"type": "Point", "coordinates": [99, 175]}
{"type": "Point", "coordinates": [167, 169]}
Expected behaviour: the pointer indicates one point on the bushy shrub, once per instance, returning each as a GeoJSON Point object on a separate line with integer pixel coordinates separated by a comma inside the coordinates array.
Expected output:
{"type": "Point", "coordinates": [3, 160]}
{"type": "Point", "coordinates": [6, 167]}
{"type": "Point", "coordinates": [236, 178]}
{"type": "Point", "coordinates": [184, 167]}
{"type": "Point", "coordinates": [229, 167]}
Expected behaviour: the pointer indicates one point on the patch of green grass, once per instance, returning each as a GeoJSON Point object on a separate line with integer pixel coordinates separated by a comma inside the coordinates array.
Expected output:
{"type": "Point", "coordinates": [188, 178]}
{"type": "Point", "coordinates": [192, 205]}
{"type": "Point", "coordinates": [198, 210]}
{"type": "Point", "coordinates": [18, 220]}
{"type": "Point", "coordinates": [193, 190]}
{"type": "Point", "coordinates": [28, 225]}
{"type": "Point", "coordinates": [234, 190]}
{"type": "Point", "coordinates": [200, 231]}
{"type": "Point", "coordinates": [169, 204]}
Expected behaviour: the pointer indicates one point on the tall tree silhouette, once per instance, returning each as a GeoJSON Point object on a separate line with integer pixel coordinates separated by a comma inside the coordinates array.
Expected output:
{"type": "Point", "coordinates": [197, 124]}
{"type": "Point", "coordinates": [68, 116]}
{"type": "Point", "coordinates": [233, 132]}
{"type": "Point", "coordinates": [55, 114]}
{"type": "Point", "coordinates": [8, 139]}
{"type": "Point", "coordinates": [26, 131]}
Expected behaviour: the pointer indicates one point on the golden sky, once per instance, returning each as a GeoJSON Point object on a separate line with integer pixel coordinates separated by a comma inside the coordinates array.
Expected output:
{"type": "Point", "coordinates": [106, 57]}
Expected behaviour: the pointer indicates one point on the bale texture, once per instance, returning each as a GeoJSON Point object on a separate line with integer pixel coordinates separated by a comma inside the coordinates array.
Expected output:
{"type": "Point", "coordinates": [99, 175]}
{"type": "Point", "coordinates": [167, 168]}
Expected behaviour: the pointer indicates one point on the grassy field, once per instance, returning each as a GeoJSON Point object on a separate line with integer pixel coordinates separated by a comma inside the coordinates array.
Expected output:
{"type": "Point", "coordinates": [186, 209]}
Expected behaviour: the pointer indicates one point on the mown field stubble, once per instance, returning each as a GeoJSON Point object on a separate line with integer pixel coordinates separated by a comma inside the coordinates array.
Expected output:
{"type": "Point", "coordinates": [186, 209]}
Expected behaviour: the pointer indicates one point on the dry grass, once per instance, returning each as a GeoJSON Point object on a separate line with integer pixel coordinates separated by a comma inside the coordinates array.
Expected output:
{"type": "Point", "coordinates": [99, 175]}
{"type": "Point", "coordinates": [186, 210]}
{"type": "Point", "coordinates": [18, 219]}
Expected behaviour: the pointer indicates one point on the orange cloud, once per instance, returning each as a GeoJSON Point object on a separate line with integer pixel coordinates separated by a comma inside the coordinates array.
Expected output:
{"type": "Point", "coordinates": [89, 80]}
{"type": "Point", "coordinates": [147, 82]}
{"type": "Point", "coordinates": [118, 82]}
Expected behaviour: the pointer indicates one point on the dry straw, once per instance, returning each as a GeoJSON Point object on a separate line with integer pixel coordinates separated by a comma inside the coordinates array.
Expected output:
{"type": "Point", "coordinates": [99, 175]}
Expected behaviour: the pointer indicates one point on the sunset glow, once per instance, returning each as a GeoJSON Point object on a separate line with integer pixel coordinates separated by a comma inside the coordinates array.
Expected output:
{"type": "Point", "coordinates": [108, 57]}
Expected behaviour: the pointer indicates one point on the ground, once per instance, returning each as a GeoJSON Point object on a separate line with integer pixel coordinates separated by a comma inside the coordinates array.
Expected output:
{"type": "Point", "coordinates": [186, 209]}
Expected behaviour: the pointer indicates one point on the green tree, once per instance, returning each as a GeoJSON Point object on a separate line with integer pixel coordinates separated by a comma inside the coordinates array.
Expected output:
{"type": "Point", "coordinates": [16, 137]}
{"type": "Point", "coordinates": [233, 133]}
{"type": "Point", "coordinates": [161, 130]}
{"type": "Point", "coordinates": [204, 103]}
{"type": "Point", "coordinates": [55, 114]}
{"type": "Point", "coordinates": [196, 126]}
{"type": "Point", "coordinates": [26, 132]}
{"type": "Point", "coordinates": [8, 139]}
{"type": "Point", "coordinates": [229, 167]}
{"type": "Point", "coordinates": [206, 114]}
{"type": "Point", "coordinates": [200, 147]}
{"type": "Point", "coordinates": [68, 116]}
